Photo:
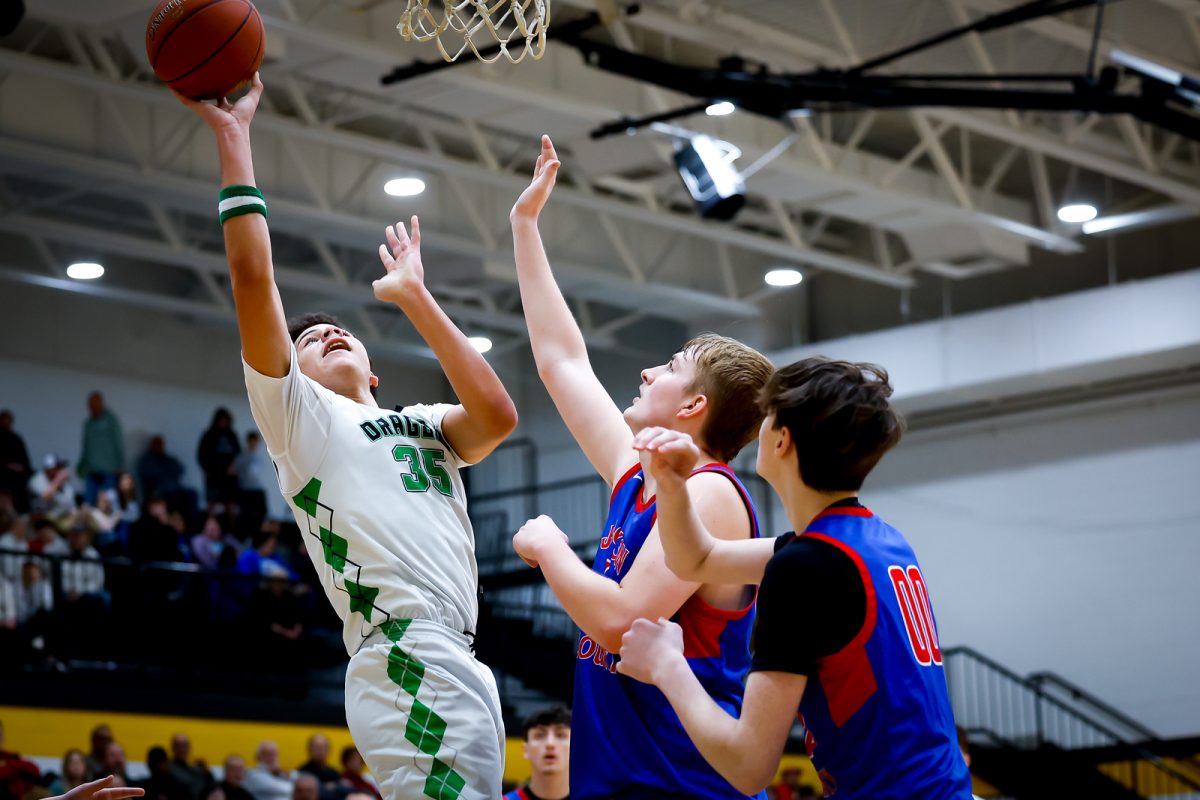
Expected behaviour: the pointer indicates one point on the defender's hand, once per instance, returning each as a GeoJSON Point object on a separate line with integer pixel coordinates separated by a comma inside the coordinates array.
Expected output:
{"type": "Point", "coordinates": [531, 202]}
{"type": "Point", "coordinates": [401, 257]}
{"type": "Point", "coordinates": [102, 789]}
{"type": "Point", "coordinates": [673, 455]}
{"type": "Point", "coordinates": [533, 536]}
{"type": "Point", "coordinates": [649, 648]}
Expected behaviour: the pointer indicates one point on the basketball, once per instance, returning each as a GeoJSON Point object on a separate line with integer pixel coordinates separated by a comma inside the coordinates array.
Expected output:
{"type": "Point", "coordinates": [205, 48]}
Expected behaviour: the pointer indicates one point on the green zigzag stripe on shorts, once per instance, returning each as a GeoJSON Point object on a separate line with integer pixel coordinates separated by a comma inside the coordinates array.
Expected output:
{"type": "Point", "coordinates": [425, 729]}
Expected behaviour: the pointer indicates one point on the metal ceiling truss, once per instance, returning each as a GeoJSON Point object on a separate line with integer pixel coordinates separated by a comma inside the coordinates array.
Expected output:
{"type": "Point", "coordinates": [624, 241]}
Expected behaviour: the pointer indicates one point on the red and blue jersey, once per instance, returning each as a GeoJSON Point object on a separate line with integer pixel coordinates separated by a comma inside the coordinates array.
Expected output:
{"type": "Point", "coordinates": [626, 740]}
{"type": "Point", "coordinates": [877, 713]}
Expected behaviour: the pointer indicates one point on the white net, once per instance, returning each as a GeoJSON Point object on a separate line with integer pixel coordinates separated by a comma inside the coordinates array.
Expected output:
{"type": "Point", "coordinates": [516, 27]}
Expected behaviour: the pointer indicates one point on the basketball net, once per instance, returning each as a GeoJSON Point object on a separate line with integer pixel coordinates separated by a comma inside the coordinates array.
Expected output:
{"type": "Point", "coordinates": [477, 25]}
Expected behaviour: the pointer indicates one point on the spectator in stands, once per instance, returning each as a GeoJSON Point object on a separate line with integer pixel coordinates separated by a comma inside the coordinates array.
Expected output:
{"type": "Point", "coordinates": [259, 558]}
{"type": "Point", "coordinates": [74, 772]}
{"type": "Point", "coordinates": [217, 451]}
{"type": "Point", "coordinates": [255, 477]}
{"type": "Point", "coordinates": [51, 491]}
{"type": "Point", "coordinates": [97, 760]}
{"type": "Point", "coordinates": [8, 618]}
{"type": "Point", "coordinates": [194, 777]}
{"type": "Point", "coordinates": [162, 784]}
{"type": "Point", "coordinates": [307, 787]}
{"type": "Point", "coordinates": [114, 763]}
{"type": "Point", "coordinates": [209, 542]}
{"type": "Point", "coordinates": [14, 545]}
{"type": "Point", "coordinates": [790, 787]}
{"type": "Point", "coordinates": [318, 763]}
{"type": "Point", "coordinates": [82, 572]}
{"type": "Point", "coordinates": [17, 776]}
{"type": "Point", "coordinates": [35, 599]}
{"type": "Point", "coordinates": [15, 469]}
{"type": "Point", "coordinates": [235, 776]}
{"type": "Point", "coordinates": [548, 748]}
{"type": "Point", "coordinates": [103, 454]}
{"type": "Point", "coordinates": [352, 774]}
{"type": "Point", "coordinates": [151, 538]}
{"type": "Point", "coordinates": [126, 506]}
{"type": "Point", "coordinates": [178, 522]}
{"type": "Point", "coordinates": [47, 540]}
{"type": "Point", "coordinates": [159, 472]}
{"type": "Point", "coordinates": [267, 780]}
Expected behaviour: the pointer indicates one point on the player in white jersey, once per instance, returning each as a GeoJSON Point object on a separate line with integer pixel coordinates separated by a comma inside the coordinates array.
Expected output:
{"type": "Point", "coordinates": [377, 496]}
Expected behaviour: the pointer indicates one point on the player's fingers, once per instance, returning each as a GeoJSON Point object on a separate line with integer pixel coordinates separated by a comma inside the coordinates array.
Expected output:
{"type": "Point", "coordinates": [416, 230]}
{"type": "Point", "coordinates": [537, 167]}
{"type": "Point", "coordinates": [402, 233]}
{"type": "Point", "coordinates": [548, 147]}
{"type": "Point", "coordinates": [386, 257]}
{"type": "Point", "coordinates": [393, 242]}
{"type": "Point", "coordinates": [120, 793]}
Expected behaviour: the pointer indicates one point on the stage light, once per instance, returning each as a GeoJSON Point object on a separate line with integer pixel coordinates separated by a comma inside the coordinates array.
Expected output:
{"type": "Point", "coordinates": [480, 343]}
{"type": "Point", "coordinates": [706, 167]}
{"type": "Point", "coordinates": [721, 109]}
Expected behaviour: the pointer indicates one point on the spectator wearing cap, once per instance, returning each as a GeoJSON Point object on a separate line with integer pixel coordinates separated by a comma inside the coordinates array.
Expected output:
{"type": "Point", "coordinates": [103, 454]}
{"type": "Point", "coordinates": [15, 469]}
{"type": "Point", "coordinates": [51, 491]}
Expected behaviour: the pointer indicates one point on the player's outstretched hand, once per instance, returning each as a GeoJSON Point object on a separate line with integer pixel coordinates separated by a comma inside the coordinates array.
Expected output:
{"type": "Point", "coordinates": [673, 455]}
{"type": "Point", "coordinates": [401, 257]}
{"type": "Point", "coordinates": [531, 202]}
{"type": "Point", "coordinates": [534, 536]}
{"type": "Point", "coordinates": [224, 115]}
{"type": "Point", "coordinates": [102, 789]}
{"type": "Point", "coordinates": [648, 648]}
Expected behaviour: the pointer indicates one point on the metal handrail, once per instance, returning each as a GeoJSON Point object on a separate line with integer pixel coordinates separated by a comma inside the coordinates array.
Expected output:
{"type": "Point", "coordinates": [1041, 696]}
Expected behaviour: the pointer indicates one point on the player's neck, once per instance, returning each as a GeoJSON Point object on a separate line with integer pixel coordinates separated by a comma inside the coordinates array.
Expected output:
{"type": "Point", "coordinates": [804, 503]}
{"type": "Point", "coordinates": [554, 786]}
{"type": "Point", "coordinates": [650, 486]}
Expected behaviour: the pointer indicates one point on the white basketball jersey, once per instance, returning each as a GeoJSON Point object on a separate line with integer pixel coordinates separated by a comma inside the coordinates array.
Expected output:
{"type": "Point", "coordinates": [379, 501]}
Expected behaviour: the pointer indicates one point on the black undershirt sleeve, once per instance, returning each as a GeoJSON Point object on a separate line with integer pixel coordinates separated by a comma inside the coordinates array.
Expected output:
{"type": "Point", "coordinates": [811, 604]}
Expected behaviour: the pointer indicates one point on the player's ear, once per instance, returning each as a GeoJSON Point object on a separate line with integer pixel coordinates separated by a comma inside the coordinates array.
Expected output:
{"type": "Point", "coordinates": [784, 445]}
{"type": "Point", "coordinates": [373, 381]}
{"type": "Point", "coordinates": [692, 407]}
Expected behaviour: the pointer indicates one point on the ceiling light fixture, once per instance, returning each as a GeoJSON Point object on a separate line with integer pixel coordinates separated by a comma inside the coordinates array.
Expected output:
{"type": "Point", "coordinates": [85, 271]}
{"type": "Point", "coordinates": [783, 277]}
{"type": "Point", "coordinates": [1077, 212]}
{"type": "Point", "coordinates": [404, 187]}
{"type": "Point", "coordinates": [480, 343]}
{"type": "Point", "coordinates": [721, 109]}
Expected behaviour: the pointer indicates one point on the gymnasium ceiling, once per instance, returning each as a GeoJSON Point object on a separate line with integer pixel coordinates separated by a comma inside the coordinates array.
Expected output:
{"type": "Point", "coordinates": [892, 216]}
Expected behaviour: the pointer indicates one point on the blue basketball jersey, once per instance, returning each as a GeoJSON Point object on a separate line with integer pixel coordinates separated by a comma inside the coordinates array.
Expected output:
{"type": "Point", "coordinates": [626, 740]}
{"type": "Point", "coordinates": [516, 794]}
{"type": "Point", "coordinates": [877, 713]}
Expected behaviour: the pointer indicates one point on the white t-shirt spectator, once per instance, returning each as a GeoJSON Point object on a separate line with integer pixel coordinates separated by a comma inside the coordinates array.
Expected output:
{"type": "Point", "coordinates": [264, 785]}
{"type": "Point", "coordinates": [61, 504]}
{"type": "Point", "coordinates": [12, 556]}
{"type": "Point", "coordinates": [83, 575]}
{"type": "Point", "coordinates": [8, 604]}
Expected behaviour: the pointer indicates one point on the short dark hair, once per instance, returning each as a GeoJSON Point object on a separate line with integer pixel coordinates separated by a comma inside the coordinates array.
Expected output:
{"type": "Point", "coordinates": [555, 715]}
{"type": "Point", "coordinates": [347, 752]}
{"type": "Point", "coordinates": [839, 417]}
{"type": "Point", "coordinates": [298, 325]}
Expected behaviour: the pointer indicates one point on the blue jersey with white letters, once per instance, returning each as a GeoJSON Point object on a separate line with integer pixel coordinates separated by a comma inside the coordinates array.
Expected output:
{"type": "Point", "coordinates": [877, 713]}
{"type": "Point", "coordinates": [626, 740]}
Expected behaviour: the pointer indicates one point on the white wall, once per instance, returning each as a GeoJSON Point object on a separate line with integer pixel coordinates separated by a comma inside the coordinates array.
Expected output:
{"type": "Point", "coordinates": [1066, 541]}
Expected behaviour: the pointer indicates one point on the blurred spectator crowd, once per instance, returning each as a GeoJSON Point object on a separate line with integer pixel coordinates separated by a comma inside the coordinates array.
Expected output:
{"type": "Point", "coordinates": [175, 775]}
{"type": "Point", "coordinates": [94, 548]}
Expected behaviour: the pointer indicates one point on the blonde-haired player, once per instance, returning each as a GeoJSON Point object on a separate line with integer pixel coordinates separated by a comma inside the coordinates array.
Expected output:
{"type": "Point", "coordinates": [377, 494]}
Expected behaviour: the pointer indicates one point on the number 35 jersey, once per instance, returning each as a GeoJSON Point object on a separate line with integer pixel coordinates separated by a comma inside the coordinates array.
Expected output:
{"type": "Point", "coordinates": [379, 501]}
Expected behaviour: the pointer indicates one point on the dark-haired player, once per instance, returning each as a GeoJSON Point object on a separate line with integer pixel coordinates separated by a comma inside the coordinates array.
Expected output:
{"type": "Point", "coordinates": [548, 747]}
{"type": "Point", "coordinates": [845, 626]}
{"type": "Point", "coordinates": [379, 495]}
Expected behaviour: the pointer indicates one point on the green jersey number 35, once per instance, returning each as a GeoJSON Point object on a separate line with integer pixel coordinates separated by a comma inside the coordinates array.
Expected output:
{"type": "Point", "coordinates": [424, 468]}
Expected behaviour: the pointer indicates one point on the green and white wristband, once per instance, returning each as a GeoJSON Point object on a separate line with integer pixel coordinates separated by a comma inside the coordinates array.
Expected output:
{"type": "Point", "coordinates": [237, 200]}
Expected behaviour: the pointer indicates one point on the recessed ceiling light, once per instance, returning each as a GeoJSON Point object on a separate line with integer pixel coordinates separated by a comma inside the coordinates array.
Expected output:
{"type": "Point", "coordinates": [85, 271]}
{"type": "Point", "coordinates": [480, 343]}
{"type": "Point", "coordinates": [783, 277]}
{"type": "Point", "coordinates": [720, 109]}
{"type": "Point", "coordinates": [1077, 212]}
{"type": "Point", "coordinates": [404, 187]}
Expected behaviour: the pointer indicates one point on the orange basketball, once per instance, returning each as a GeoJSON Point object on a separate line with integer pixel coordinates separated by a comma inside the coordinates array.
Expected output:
{"type": "Point", "coordinates": [205, 48]}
